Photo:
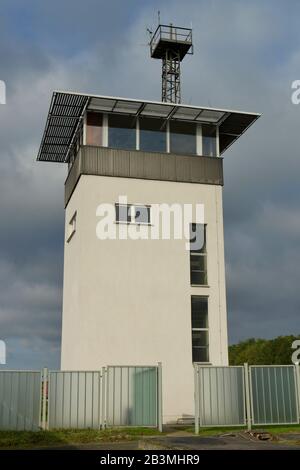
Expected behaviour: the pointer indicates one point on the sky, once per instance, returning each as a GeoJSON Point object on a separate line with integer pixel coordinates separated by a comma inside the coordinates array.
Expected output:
{"type": "Point", "coordinates": [246, 56]}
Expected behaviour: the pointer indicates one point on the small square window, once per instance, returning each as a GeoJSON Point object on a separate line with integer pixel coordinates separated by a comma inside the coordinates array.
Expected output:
{"type": "Point", "coordinates": [133, 213]}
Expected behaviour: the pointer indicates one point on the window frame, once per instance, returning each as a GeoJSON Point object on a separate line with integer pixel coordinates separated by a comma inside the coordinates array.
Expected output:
{"type": "Point", "coordinates": [134, 128]}
{"type": "Point", "coordinates": [203, 254]}
{"type": "Point", "coordinates": [163, 129]}
{"type": "Point", "coordinates": [183, 124]}
{"type": "Point", "coordinates": [207, 329]}
{"type": "Point", "coordinates": [131, 213]}
{"type": "Point", "coordinates": [215, 154]}
{"type": "Point", "coordinates": [90, 128]}
{"type": "Point", "coordinates": [105, 132]}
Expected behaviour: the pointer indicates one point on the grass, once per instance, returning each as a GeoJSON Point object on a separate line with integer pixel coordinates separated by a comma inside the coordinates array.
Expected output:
{"type": "Point", "coordinates": [61, 437]}
{"type": "Point", "coordinates": [30, 439]}
{"type": "Point", "coordinates": [279, 429]}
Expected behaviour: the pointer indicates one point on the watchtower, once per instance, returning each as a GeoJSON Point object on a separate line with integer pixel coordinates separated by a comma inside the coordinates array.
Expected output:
{"type": "Point", "coordinates": [171, 44]}
{"type": "Point", "coordinates": [142, 298]}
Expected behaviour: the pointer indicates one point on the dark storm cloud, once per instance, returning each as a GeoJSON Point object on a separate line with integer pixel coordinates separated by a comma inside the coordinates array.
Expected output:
{"type": "Point", "coordinates": [246, 56]}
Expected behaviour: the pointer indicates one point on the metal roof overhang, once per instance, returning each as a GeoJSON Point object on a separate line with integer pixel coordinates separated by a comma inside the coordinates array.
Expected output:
{"type": "Point", "coordinates": [67, 110]}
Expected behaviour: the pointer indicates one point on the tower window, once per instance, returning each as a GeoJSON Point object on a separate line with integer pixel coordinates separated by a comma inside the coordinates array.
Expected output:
{"type": "Point", "coordinates": [94, 129]}
{"type": "Point", "coordinates": [183, 138]}
{"type": "Point", "coordinates": [121, 132]}
{"type": "Point", "coordinates": [133, 213]}
{"type": "Point", "coordinates": [200, 339]}
{"type": "Point", "coordinates": [153, 135]}
{"type": "Point", "coordinates": [209, 141]}
{"type": "Point", "coordinates": [198, 255]}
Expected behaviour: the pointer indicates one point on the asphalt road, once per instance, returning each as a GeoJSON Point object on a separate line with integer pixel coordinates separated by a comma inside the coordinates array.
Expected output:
{"type": "Point", "coordinates": [237, 441]}
{"type": "Point", "coordinates": [234, 442]}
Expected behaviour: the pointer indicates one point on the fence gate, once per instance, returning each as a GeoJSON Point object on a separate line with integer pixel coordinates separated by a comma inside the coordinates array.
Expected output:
{"type": "Point", "coordinates": [219, 396]}
{"type": "Point", "coordinates": [132, 396]}
{"type": "Point", "coordinates": [75, 399]}
{"type": "Point", "coordinates": [20, 400]}
{"type": "Point", "coordinates": [273, 392]}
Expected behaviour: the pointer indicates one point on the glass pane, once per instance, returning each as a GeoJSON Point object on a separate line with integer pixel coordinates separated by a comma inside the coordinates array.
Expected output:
{"type": "Point", "coordinates": [198, 238]}
{"type": "Point", "coordinates": [142, 214]}
{"type": "Point", "coordinates": [123, 213]}
{"type": "Point", "coordinates": [210, 115]}
{"type": "Point", "coordinates": [153, 136]}
{"type": "Point", "coordinates": [199, 312]}
{"type": "Point", "coordinates": [130, 107]}
{"type": "Point", "coordinates": [182, 137]}
{"type": "Point", "coordinates": [200, 354]}
{"type": "Point", "coordinates": [209, 141]}
{"type": "Point", "coordinates": [199, 320]}
{"type": "Point", "coordinates": [121, 132]}
{"type": "Point", "coordinates": [198, 278]}
{"type": "Point", "coordinates": [159, 110]}
{"type": "Point", "coordinates": [199, 338]}
{"type": "Point", "coordinates": [198, 262]}
{"type": "Point", "coordinates": [198, 269]}
{"type": "Point", "coordinates": [94, 129]}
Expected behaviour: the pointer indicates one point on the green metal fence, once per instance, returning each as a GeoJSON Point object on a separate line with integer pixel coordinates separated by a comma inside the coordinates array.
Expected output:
{"type": "Point", "coordinates": [274, 395]}
{"type": "Point", "coordinates": [219, 396]}
{"type": "Point", "coordinates": [132, 396]}
{"type": "Point", "coordinates": [20, 400]}
{"type": "Point", "coordinates": [246, 395]}
{"type": "Point", "coordinates": [112, 396]}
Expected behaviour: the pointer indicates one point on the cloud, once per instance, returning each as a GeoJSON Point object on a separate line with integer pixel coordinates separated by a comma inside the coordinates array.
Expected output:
{"type": "Point", "coordinates": [246, 57]}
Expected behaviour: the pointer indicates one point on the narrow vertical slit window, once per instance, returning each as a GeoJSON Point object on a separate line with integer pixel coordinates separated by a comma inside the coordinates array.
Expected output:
{"type": "Point", "coordinates": [200, 331]}
{"type": "Point", "coordinates": [71, 227]}
{"type": "Point", "coordinates": [198, 255]}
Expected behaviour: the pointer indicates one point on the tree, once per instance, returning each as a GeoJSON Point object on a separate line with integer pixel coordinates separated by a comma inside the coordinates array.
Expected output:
{"type": "Point", "coordinates": [263, 351]}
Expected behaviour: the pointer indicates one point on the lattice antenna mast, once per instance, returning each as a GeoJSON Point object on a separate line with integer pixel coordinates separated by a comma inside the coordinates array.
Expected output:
{"type": "Point", "coordinates": [170, 44]}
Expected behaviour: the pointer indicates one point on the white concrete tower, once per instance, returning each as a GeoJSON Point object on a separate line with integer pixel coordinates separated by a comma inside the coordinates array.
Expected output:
{"type": "Point", "coordinates": [143, 298]}
{"type": "Point", "coordinates": [140, 301]}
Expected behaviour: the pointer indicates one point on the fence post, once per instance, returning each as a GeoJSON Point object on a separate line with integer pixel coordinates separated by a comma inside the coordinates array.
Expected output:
{"type": "Point", "coordinates": [44, 399]}
{"type": "Point", "coordinates": [297, 367]}
{"type": "Point", "coordinates": [196, 397]}
{"type": "Point", "coordinates": [104, 398]}
{"type": "Point", "coordinates": [247, 396]}
{"type": "Point", "coordinates": [159, 397]}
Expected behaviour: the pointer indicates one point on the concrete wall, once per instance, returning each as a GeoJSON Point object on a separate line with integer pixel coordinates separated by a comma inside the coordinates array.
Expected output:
{"type": "Point", "coordinates": [129, 301]}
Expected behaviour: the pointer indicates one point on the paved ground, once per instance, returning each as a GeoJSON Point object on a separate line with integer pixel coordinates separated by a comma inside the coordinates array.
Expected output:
{"type": "Point", "coordinates": [231, 442]}
{"type": "Point", "coordinates": [186, 441]}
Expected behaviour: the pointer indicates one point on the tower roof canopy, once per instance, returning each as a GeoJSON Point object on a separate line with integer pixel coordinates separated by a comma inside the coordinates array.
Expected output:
{"type": "Point", "coordinates": [67, 110]}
